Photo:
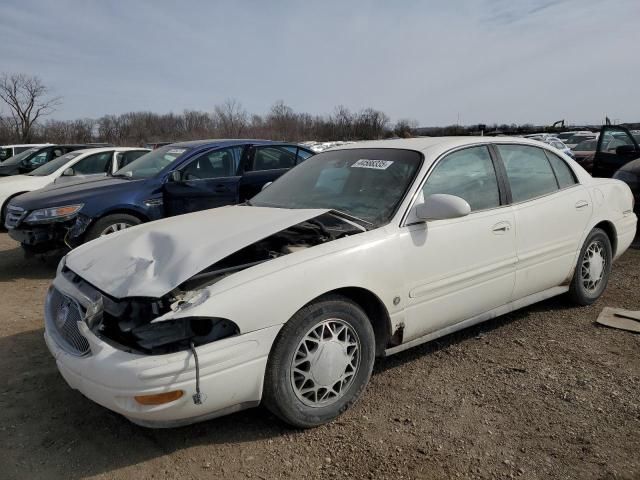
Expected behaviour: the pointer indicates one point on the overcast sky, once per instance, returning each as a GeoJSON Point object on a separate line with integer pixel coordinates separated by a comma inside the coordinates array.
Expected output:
{"type": "Point", "coordinates": [482, 60]}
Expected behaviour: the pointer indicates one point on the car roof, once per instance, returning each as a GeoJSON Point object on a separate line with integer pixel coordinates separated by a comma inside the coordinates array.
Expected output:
{"type": "Point", "coordinates": [108, 149]}
{"type": "Point", "coordinates": [220, 142]}
{"type": "Point", "coordinates": [436, 143]}
{"type": "Point", "coordinates": [26, 145]}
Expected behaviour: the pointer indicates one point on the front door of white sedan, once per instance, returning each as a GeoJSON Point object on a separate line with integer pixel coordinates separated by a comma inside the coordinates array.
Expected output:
{"type": "Point", "coordinates": [458, 268]}
{"type": "Point", "coordinates": [552, 211]}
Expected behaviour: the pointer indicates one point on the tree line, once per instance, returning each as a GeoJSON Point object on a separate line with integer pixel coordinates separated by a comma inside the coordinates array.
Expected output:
{"type": "Point", "coordinates": [28, 101]}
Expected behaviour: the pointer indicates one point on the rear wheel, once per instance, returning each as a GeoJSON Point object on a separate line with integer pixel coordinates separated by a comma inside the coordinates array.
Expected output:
{"type": "Point", "coordinates": [320, 363]}
{"type": "Point", "coordinates": [111, 224]}
{"type": "Point", "coordinates": [593, 268]}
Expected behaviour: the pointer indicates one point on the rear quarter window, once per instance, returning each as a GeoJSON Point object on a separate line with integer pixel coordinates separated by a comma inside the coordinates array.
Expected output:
{"type": "Point", "coordinates": [564, 174]}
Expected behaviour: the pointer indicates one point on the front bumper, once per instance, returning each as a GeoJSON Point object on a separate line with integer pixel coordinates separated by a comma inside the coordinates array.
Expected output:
{"type": "Point", "coordinates": [231, 377]}
{"type": "Point", "coordinates": [46, 236]}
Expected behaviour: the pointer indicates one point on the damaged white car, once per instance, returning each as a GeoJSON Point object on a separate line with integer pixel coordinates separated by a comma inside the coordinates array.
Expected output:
{"type": "Point", "coordinates": [358, 252]}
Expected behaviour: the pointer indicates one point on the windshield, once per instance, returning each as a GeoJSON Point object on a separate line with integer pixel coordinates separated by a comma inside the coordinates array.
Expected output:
{"type": "Point", "coordinates": [151, 163]}
{"type": "Point", "coordinates": [53, 165]}
{"type": "Point", "coordinates": [579, 138]}
{"type": "Point", "coordinates": [5, 153]}
{"type": "Point", "coordinates": [564, 136]}
{"type": "Point", "coordinates": [16, 159]}
{"type": "Point", "coordinates": [365, 183]}
{"type": "Point", "coordinates": [586, 146]}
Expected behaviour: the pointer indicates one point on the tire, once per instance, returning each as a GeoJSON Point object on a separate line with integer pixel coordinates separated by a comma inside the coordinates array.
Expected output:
{"type": "Point", "coordinates": [120, 221]}
{"type": "Point", "coordinates": [593, 268]}
{"type": "Point", "coordinates": [342, 333]}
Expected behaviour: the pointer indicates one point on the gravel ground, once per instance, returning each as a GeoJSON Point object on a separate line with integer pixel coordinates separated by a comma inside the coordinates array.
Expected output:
{"type": "Point", "coordinates": [540, 393]}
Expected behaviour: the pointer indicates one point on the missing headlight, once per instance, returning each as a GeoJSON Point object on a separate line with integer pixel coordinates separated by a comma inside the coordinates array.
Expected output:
{"type": "Point", "coordinates": [176, 335]}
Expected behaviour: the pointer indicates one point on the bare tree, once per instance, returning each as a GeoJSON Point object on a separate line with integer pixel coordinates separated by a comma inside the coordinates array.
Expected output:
{"type": "Point", "coordinates": [231, 118]}
{"type": "Point", "coordinates": [28, 100]}
{"type": "Point", "coordinates": [405, 128]}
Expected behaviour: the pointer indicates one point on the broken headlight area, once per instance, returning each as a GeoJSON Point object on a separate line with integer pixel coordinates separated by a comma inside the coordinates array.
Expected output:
{"type": "Point", "coordinates": [127, 324]}
{"type": "Point", "coordinates": [322, 229]}
{"type": "Point", "coordinates": [174, 335]}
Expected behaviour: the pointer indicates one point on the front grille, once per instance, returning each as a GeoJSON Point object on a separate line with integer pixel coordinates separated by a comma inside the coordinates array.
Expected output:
{"type": "Point", "coordinates": [62, 315]}
{"type": "Point", "coordinates": [14, 216]}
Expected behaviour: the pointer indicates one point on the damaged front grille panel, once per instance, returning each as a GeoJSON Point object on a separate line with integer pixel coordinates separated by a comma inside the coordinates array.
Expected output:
{"type": "Point", "coordinates": [62, 315]}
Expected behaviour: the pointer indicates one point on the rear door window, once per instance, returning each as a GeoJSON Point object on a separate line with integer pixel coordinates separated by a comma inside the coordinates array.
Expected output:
{"type": "Point", "coordinates": [528, 170]}
{"type": "Point", "coordinates": [125, 158]}
{"type": "Point", "coordinates": [273, 158]}
{"type": "Point", "coordinates": [93, 164]}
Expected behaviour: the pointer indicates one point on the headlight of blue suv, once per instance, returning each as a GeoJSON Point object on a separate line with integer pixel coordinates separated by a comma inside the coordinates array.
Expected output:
{"type": "Point", "coordinates": [53, 214]}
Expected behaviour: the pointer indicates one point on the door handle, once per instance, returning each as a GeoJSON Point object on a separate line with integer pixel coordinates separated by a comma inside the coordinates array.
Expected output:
{"type": "Point", "coordinates": [581, 204]}
{"type": "Point", "coordinates": [501, 228]}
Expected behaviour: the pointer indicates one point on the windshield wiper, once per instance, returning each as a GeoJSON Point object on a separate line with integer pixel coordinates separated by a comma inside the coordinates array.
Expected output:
{"type": "Point", "coordinates": [363, 223]}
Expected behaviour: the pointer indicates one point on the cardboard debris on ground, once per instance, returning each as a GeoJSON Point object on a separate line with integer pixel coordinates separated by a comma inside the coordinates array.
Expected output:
{"type": "Point", "coordinates": [619, 318]}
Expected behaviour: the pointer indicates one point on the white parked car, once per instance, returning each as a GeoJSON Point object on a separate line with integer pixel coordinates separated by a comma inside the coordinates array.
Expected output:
{"type": "Point", "coordinates": [73, 166]}
{"type": "Point", "coordinates": [559, 145]}
{"type": "Point", "coordinates": [8, 151]}
{"type": "Point", "coordinates": [358, 252]}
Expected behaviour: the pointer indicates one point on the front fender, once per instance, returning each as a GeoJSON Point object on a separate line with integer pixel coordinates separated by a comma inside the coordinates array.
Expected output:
{"type": "Point", "coordinates": [271, 293]}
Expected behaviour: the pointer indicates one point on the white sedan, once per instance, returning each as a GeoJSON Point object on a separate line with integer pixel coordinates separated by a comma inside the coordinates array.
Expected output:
{"type": "Point", "coordinates": [73, 166]}
{"type": "Point", "coordinates": [358, 252]}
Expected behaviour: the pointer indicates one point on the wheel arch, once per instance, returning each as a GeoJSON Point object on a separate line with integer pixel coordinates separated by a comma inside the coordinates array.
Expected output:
{"type": "Point", "coordinates": [122, 210]}
{"type": "Point", "coordinates": [6, 202]}
{"type": "Point", "coordinates": [610, 229]}
{"type": "Point", "coordinates": [375, 310]}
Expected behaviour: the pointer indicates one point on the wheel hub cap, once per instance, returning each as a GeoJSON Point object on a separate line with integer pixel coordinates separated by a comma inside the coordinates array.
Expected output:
{"type": "Point", "coordinates": [325, 363]}
{"type": "Point", "coordinates": [593, 266]}
{"type": "Point", "coordinates": [330, 363]}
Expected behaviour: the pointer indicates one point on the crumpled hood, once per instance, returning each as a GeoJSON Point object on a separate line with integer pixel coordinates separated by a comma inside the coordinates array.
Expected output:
{"type": "Point", "coordinates": [152, 259]}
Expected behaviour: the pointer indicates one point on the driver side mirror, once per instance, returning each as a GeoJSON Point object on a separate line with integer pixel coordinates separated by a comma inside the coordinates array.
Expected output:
{"type": "Point", "coordinates": [69, 172]}
{"type": "Point", "coordinates": [625, 150]}
{"type": "Point", "coordinates": [175, 176]}
{"type": "Point", "coordinates": [441, 206]}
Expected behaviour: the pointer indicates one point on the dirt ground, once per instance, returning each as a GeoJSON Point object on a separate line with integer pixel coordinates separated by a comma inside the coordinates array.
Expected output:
{"type": "Point", "coordinates": [541, 393]}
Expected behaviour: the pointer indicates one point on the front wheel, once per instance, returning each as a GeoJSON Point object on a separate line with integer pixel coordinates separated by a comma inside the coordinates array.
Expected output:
{"type": "Point", "coordinates": [320, 363]}
{"type": "Point", "coordinates": [111, 224]}
{"type": "Point", "coordinates": [593, 268]}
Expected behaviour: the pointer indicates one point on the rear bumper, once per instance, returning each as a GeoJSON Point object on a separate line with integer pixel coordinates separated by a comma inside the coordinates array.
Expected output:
{"type": "Point", "coordinates": [626, 230]}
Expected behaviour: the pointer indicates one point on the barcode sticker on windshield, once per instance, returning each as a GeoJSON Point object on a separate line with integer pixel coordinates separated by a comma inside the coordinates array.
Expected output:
{"type": "Point", "coordinates": [175, 151]}
{"type": "Point", "coordinates": [375, 164]}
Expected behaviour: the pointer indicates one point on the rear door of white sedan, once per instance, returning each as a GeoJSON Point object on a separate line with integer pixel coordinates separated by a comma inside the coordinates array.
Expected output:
{"type": "Point", "coordinates": [551, 213]}
{"type": "Point", "coordinates": [462, 267]}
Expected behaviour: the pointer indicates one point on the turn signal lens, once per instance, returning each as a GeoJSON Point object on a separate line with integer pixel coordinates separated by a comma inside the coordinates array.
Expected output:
{"type": "Point", "coordinates": [159, 398]}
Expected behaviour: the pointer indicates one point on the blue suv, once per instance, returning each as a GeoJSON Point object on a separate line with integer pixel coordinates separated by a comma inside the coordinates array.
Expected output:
{"type": "Point", "coordinates": [171, 180]}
